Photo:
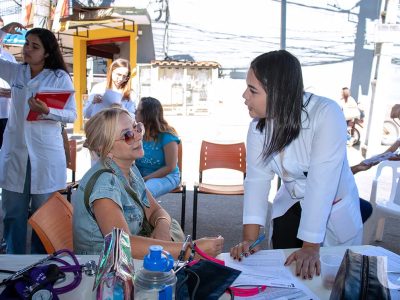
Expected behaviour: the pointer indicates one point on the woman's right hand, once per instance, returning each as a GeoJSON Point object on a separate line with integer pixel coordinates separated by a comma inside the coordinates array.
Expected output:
{"type": "Point", "coordinates": [97, 98]}
{"type": "Point", "coordinates": [12, 28]}
{"type": "Point", "coordinates": [242, 249]}
{"type": "Point", "coordinates": [213, 246]}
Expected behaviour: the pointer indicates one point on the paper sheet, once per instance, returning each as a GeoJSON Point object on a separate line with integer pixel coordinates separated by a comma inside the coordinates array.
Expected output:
{"type": "Point", "coordinates": [109, 98]}
{"type": "Point", "coordinates": [267, 268]}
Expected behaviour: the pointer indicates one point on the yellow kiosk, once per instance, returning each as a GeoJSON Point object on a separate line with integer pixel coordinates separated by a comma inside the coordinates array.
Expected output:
{"type": "Point", "coordinates": [118, 34]}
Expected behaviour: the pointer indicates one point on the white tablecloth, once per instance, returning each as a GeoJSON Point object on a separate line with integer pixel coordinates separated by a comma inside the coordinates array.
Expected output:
{"type": "Point", "coordinates": [84, 290]}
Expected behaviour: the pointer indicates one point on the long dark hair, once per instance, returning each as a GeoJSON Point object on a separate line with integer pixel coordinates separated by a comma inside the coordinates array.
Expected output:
{"type": "Point", "coordinates": [279, 72]}
{"type": "Point", "coordinates": [54, 59]}
{"type": "Point", "coordinates": [152, 114]}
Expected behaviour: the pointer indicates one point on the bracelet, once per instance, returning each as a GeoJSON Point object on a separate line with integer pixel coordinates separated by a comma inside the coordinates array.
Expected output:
{"type": "Point", "coordinates": [161, 218]}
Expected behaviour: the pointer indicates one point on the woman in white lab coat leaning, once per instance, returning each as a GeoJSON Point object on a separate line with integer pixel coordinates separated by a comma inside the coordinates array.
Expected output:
{"type": "Point", "coordinates": [32, 158]}
{"type": "Point", "coordinates": [301, 137]}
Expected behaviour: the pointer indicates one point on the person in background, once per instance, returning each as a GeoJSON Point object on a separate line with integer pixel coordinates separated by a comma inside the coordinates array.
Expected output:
{"type": "Point", "coordinates": [118, 80]}
{"type": "Point", "coordinates": [351, 112]}
{"type": "Point", "coordinates": [301, 137]}
{"type": "Point", "coordinates": [349, 105]}
{"type": "Point", "coordinates": [117, 139]}
{"type": "Point", "coordinates": [32, 157]}
{"type": "Point", "coordinates": [395, 112]}
{"type": "Point", "coordinates": [158, 166]}
{"type": "Point", "coordinates": [5, 92]}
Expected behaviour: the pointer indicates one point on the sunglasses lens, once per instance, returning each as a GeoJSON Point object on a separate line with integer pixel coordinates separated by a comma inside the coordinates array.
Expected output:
{"type": "Point", "coordinates": [129, 137]}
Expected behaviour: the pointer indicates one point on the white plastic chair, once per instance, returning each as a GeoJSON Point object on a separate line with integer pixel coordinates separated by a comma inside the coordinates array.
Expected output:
{"type": "Point", "coordinates": [384, 207]}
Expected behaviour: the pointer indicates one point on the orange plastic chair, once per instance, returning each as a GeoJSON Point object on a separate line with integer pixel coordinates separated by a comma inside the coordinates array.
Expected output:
{"type": "Point", "coordinates": [52, 222]}
{"type": "Point", "coordinates": [213, 156]}
{"type": "Point", "coordinates": [72, 166]}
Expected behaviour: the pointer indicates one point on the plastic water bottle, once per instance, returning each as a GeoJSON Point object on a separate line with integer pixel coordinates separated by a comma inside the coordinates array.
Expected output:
{"type": "Point", "coordinates": [156, 280]}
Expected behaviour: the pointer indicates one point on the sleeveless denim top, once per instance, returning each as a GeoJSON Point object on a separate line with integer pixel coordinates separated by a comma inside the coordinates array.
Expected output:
{"type": "Point", "coordinates": [88, 238]}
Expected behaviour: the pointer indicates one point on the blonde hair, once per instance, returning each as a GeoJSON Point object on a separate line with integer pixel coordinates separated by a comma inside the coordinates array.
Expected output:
{"type": "Point", "coordinates": [101, 130]}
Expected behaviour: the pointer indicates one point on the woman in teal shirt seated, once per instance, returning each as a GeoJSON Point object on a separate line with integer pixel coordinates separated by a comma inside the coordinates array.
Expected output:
{"type": "Point", "coordinates": [160, 143]}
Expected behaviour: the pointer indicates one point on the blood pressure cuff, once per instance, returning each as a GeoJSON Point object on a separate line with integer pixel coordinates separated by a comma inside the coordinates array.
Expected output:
{"type": "Point", "coordinates": [33, 280]}
{"type": "Point", "coordinates": [204, 280]}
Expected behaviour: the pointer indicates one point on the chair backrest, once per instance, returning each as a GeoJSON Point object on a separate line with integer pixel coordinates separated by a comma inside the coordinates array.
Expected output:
{"type": "Point", "coordinates": [72, 150]}
{"type": "Point", "coordinates": [52, 223]}
{"type": "Point", "coordinates": [72, 163]}
{"type": "Point", "coordinates": [395, 188]}
{"type": "Point", "coordinates": [227, 156]}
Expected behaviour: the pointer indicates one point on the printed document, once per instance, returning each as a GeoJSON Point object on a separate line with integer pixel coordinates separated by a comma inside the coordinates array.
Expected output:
{"type": "Point", "coordinates": [267, 268]}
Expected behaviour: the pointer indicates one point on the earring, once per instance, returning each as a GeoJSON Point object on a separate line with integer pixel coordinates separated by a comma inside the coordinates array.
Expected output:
{"type": "Point", "coordinates": [110, 155]}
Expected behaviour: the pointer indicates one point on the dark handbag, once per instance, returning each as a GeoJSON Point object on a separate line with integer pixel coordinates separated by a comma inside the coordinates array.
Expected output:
{"type": "Point", "coordinates": [208, 278]}
{"type": "Point", "coordinates": [204, 280]}
{"type": "Point", "coordinates": [361, 277]}
{"type": "Point", "coordinates": [147, 228]}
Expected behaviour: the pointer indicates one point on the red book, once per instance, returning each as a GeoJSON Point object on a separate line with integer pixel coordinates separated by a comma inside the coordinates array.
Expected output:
{"type": "Point", "coordinates": [53, 99]}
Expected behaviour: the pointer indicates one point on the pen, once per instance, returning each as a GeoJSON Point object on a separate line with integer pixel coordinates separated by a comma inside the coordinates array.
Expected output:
{"type": "Point", "coordinates": [260, 239]}
{"type": "Point", "coordinates": [186, 243]}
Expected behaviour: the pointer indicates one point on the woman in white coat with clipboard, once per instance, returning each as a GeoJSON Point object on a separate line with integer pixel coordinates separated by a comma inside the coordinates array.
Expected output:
{"type": "Point", "coordinates": [301, 137]}
{"type": "Point", "coordinates": [115, 90]}
{"type": "Point", "coordinates": [32, 158]}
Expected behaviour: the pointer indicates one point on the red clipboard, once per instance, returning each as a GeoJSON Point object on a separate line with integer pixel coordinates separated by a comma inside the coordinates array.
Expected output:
{"type": "Point", "coordinates": [52, 99]}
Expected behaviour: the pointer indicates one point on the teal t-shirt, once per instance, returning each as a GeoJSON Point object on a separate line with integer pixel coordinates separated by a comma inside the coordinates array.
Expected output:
{"type": "Point", "coordinates": [154, 157]}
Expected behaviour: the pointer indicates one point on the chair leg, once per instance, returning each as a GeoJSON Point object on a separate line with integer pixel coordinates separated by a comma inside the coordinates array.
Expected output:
{"type": "Point", "coordinates": [379, 229]}
{"type": "Point", "coordinates": [370, 228]}
{"type": "Point", "coordinates": [195, 190]}
{"type": "Point", "coordinates": [183, 210]}
{"type": "Point", "coordinates": [69, 193]}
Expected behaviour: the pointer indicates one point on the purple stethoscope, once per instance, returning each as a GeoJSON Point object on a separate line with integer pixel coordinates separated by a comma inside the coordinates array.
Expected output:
{"type": "Point", "coordinates": [89, 268]}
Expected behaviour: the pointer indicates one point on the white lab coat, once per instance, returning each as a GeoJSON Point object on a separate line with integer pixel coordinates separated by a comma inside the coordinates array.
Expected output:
{"type": "Point", "coordinates": [91, 109]}
{"type": "Point", "coordinates": [5, 103]}
{"type": "Point", "coordinates": [40, 140]}
{"type": "Point", "coordinates": [320, 151]}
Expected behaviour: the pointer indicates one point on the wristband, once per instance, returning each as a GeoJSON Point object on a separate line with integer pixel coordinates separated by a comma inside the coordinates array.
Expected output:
{"type": "Point", "coordinates": [161, 218]}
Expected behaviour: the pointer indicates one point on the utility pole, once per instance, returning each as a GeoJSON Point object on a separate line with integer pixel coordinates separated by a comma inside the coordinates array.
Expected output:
{"type": "Point", "coordinates": [283, 24]}
{"type": "Point", "coordinates": [381, 77]}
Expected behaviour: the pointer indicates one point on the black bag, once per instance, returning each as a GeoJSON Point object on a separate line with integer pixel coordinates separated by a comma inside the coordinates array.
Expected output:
{"type": "Point", "coordinates": [361, 277]}
{"type": "Point", "coordinates": [204, 280]}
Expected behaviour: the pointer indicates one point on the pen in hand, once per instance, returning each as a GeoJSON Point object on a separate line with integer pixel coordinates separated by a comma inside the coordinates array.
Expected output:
{"type": "Point", "coordinates": [258, 241]}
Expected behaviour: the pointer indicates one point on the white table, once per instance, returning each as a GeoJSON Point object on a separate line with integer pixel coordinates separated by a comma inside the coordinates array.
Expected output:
{"type": "Point", "coordinates": [84, 290]}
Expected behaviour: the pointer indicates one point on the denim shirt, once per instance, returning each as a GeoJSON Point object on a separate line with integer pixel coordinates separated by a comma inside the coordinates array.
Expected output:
{"type": "Point", "coordinates": [88, 238]}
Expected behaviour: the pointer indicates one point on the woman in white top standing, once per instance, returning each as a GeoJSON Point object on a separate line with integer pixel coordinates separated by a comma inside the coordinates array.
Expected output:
{"type": "Point", "coordinates": [300, 137]}
{"type": "Point", "coordinates": [32, 158]}
{"type": "Point", "coordinates": [119, 81]}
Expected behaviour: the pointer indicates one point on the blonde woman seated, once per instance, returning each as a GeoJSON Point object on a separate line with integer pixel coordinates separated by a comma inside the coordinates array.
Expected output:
{"type": "Point", "coordinates": [117, 139]}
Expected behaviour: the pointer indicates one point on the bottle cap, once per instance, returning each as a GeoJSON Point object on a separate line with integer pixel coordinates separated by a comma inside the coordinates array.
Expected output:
{"type": "Point", "coordinates": [158, 260]}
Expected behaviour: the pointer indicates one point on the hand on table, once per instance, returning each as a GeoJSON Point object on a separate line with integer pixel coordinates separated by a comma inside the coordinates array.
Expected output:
{"type": "Point", "coordinates": [243, 249]}
{"type": "Point", "coordinates": [307, 260]}
{"type": "Point", "coordinates": [213, 246]}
